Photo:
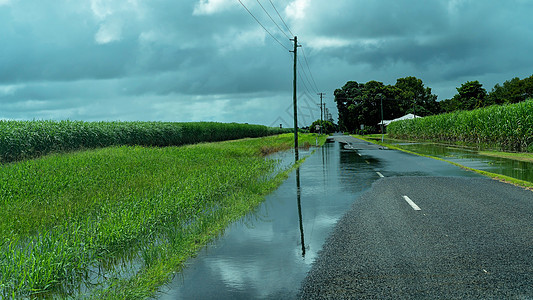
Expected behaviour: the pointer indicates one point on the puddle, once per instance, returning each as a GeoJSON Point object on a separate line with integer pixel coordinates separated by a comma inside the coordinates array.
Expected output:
{"type": "Point", "coordinates": [269, 252]}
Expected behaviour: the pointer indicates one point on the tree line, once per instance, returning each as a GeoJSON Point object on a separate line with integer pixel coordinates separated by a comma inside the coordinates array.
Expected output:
{"type": "Point", "coordinates": [471, 95]}
{"type": "Point", "coordinates": [360, 104]}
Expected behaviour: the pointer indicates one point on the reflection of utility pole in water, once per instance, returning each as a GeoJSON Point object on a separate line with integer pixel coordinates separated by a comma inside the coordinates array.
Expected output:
{"type": "Point", "coordinates": [299, 200]}
{"type": "Point", "coordinates": [324, 164]}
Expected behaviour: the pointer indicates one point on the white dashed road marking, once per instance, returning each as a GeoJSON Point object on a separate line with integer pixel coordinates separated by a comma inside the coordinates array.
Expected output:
{"type": "Point", "coordinates": [413, 205]}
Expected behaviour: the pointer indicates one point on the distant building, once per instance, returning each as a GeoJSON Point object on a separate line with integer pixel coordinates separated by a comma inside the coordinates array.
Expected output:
{"type": "Point", "coordinates": [406, 117]}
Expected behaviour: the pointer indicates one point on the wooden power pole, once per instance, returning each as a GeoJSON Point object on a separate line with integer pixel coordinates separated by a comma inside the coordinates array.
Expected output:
{"type": "Point", "coordinates": [294, 98]}
{"type": "Point", "coordinates": [321, 112]}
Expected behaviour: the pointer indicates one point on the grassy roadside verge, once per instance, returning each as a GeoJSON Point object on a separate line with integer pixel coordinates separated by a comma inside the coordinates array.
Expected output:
{"type": "Point", "coordinates": [71, 218]}
{"type": "Point", "coordinates": [527, 157]}
{"type": "Point", "coordinates": [499, 177]}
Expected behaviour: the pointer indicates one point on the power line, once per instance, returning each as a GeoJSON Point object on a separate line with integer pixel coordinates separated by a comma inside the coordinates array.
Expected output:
{"type": "Point", "coordinates": [311, 81]}
{"type": "Point", "coordinates": [310, 73]}
{"type": "Point", "coordinates": [303, 82]}
{"type": "Point", "coordinates": [306, 77]}
{"type": "Point", "coordinates": [296, 61]}
{"type": "Point", "coordinates": [281, 18]}
{"type": "Point", "coordinates": [281, 44]}
{"type": "Point", "coordinates": [282, 31]}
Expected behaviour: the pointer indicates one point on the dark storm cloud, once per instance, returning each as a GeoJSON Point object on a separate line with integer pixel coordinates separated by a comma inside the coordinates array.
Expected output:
{"type": "Point", "coordinates": [377, 19]}
{"type": "Point", "coordinates": [439, 41]}
{"type": "Point", "coordinates": [210, 60]}
{"type": "Point", "coordinates": [63, 41]}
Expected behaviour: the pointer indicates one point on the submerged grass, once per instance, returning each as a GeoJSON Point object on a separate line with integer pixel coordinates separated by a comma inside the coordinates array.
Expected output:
{"type": "Point", "coordinates": [521, 183]}
{"type": "Point", "coordinates": [527, 157]}
{"type": "Point", "coordinates": [65, 218]}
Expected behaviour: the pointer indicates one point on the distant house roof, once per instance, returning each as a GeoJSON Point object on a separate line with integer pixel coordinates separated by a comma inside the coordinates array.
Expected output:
{"type": "Point", "coordinates": [406, 117]}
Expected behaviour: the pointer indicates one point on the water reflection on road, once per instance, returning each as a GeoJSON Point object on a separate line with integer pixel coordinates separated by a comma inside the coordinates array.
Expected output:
{"type": "Point", "coordinates": [470, 158]}
{"type": "Point", "coordinates": [267, 255]}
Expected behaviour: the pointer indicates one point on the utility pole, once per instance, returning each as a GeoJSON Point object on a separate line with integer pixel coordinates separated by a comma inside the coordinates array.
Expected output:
{"type": "Point", "coordinates": [321, 112]}
{"type": "Point", "coordinates": [382, 133]}
{"type": "Point", "coordinates": [327, 115]}
{"type": "Point", "coordinates": [294, 99]}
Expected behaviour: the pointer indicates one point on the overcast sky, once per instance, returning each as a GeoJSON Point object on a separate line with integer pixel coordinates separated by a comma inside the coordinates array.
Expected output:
{"type": "Point", "coordinates": [209, 60]}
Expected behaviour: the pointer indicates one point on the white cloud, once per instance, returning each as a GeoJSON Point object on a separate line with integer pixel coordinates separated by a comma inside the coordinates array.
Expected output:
{"type": "Point", "coordinates": [325, 42]}
{"type": "Point", "coordinates": [297, 9]}
{"type": "Point", "coordinates": [101, 9]}
{"type": "Point", "coordinates": [112, 15]}
{"type": "Point", "coordinates": [4, 2]}
{"type": "Point", "coordinates": [108, 32]}
{"type": "Point", "coordinates": [209, 7]}
{"type": "Point", "coordinates": [322, 42]}
{"type": "Point", "coordinates": [8, 89]}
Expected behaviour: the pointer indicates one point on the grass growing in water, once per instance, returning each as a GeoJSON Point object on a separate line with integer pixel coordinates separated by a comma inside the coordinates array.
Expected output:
{"type": "Point", "coordinates": [527, 157]}
{"type": "Point", "coordinates": [522, 183]}
{"type": "Point", "coordinates": [64, 216]}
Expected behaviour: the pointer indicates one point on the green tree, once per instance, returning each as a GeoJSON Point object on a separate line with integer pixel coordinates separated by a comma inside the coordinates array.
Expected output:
{"type": "Point", "coordinates": [326, 126]}
{"type": "Point", "coordinates": [347, 106]}
{"type": "Point", "coordinates": [448, 105]}
{"type": "Point", "coordinates": [470, 95]}
{"type": "Point", "coordinates": [416, 98]}
{"type": "Point", "coordinates": [512, 91]}
{"type": "Point", "coordinates": [360, 104]}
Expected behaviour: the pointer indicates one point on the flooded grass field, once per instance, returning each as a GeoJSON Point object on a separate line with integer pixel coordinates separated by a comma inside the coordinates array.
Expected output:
{"type": "Point", "coordinates": [269, 252]}
{"type": "Point", "coordinates": [115, 222]}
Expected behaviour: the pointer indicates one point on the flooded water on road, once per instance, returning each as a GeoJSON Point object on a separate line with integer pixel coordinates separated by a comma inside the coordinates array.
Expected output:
{"type": "Point", "coordinates": [269, 252]}
{"type": "Point", "coordinates": [470, 158]}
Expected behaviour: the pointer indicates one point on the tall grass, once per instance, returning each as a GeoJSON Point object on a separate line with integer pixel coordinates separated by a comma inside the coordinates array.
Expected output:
{"type": "Point", "coordinates": [29, 139]}
{"type": "Point", "coordinates": [507, 127]}
{"type": "Point", "coordinates": [63, 215]}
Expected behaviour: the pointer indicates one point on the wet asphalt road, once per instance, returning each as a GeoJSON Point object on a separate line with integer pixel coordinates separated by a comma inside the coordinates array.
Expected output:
{"type": "Point", "coordinates": [462, 237]}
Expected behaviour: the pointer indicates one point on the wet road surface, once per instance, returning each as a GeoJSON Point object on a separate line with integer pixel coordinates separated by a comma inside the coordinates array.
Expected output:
{"type": "Point", "coordinates": [381, 247]}
{"type": "Point", "coordinates": [261, 257]}
{"type": "Point", "coordinates": [522, 170]}
{"type": "Point", "coordinates": [425, 231]}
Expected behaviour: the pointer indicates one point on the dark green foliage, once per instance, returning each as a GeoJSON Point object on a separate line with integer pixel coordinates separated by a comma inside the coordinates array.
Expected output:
{"type": "Point", "coordinates": [507, 127]}
{"type": "Point", "coordinates": [29, 139]}
{"type": "Point", "coordinates": [417, 99]}
{"type": "Point", "coordinates": [326, 126]}
{"type": "Point", "coordinates": [471, 94]}
{"type": "Point", "coordinates": [360, 104]}
{"type": "Point", "coordinates": [512, 91]}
